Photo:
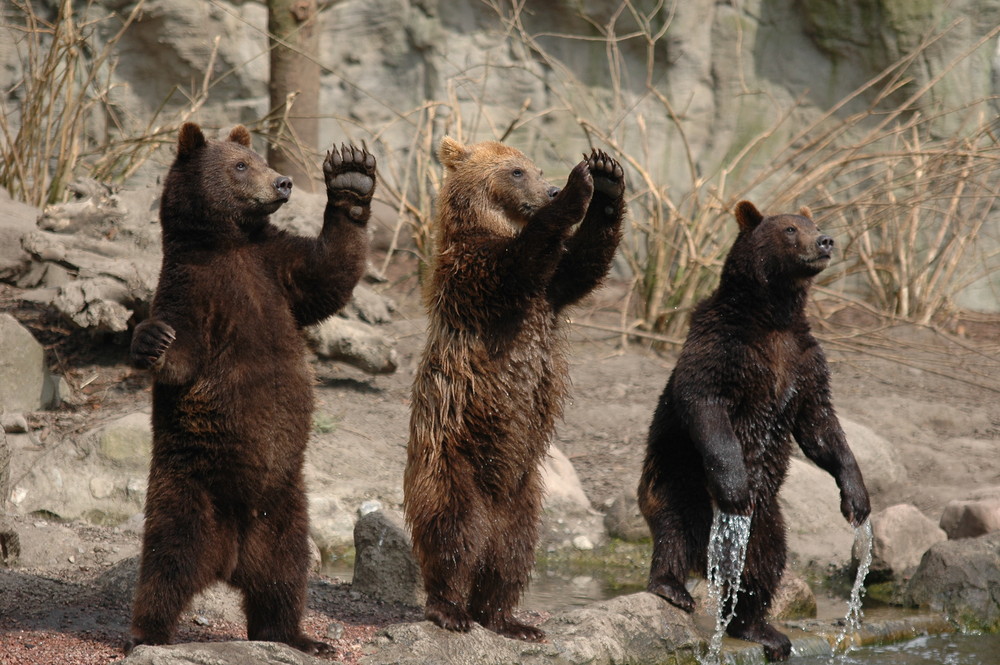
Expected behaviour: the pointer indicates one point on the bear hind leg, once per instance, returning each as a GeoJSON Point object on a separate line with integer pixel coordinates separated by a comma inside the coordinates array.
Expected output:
{"type": "Point", "coordinates": [765, 564]}
{"type": "Point", "coordinates": [680, 537]}
{"type": "Point", "coordinates": [446, 547]}
{"type": "Point", "coordinates": [183, 548]}
{"type": "Point", "coordinates": [273, 571]}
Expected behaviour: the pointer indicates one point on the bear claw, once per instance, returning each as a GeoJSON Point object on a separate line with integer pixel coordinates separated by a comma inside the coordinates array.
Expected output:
{"type": "Point", "coordinates": [609, 177]}
{"type": "Point", "coordinates": [350, 175]}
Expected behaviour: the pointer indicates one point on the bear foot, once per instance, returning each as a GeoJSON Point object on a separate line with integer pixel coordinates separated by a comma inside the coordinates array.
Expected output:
{"type": "Point", "coordinates": [674, 593]}
{"type": "Point", "coordinates": [308, 645]}
{"type": "Point", "coordinates": [448, 616]}
{"type": "Point", "coordinates": [777, 646]}
{"type": "Point", "coordinates": [609, 178]}
{"type": "Point", "coordinates": [517, 630]}
{"type": "Point", "coordinates": [350, 177]}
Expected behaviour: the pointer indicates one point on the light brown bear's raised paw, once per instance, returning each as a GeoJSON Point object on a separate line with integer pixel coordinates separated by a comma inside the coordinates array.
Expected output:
{"type": "Point", "coordinates": [350, 177]}
{"type": "Point", "coordinates": [609, 177]}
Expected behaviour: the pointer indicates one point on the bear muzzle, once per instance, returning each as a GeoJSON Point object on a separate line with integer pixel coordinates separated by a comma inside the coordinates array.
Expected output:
{"type": "Point", "coordinates": [284, 186]}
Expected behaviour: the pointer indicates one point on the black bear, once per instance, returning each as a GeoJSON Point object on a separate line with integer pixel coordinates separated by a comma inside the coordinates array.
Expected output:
{"type": "Point", "coordinates": [493, 376]}
{"type": "Point", "coordinates": [750, 376]}
{"type": "Point", "coordinates": [232, 390]}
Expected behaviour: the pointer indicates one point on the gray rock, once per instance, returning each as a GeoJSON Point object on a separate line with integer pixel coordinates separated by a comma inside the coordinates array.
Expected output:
{"type": "Point", "coordinates": [355, 343]}
{"type": "Point", "coordinates": [961, 578]}
{"type": "Point", "coordinates": [384, 567]}
{"type": "Point", "coordinates": [24, 381]}
{"type": "Point", "coordinates": [567, 517]}
{"type": "Point", "coordinates": [16, 219]}
{"type": "Point", "coordinates": [817, 532]}
{"type": "Point", "coordinates": [794, 598]}
{"type": "Point", "coordinates": [624, 521]}
{"type": "Point", "coordinates": [369, 306]}
{"type": "Point", "coordinates": [901, 535]}
{"type": "Point", "coordinates": [876, 456]}
{"type": "Point", "coordinates": [222, 653]}
{"type": "Point", "coordinates": [99, 476]}
{"type": "Point", "coordinates": [971, 519]}
{"type": "Point", "coordinates": [637, 628]}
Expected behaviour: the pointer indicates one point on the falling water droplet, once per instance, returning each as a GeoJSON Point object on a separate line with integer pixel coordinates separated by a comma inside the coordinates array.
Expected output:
{"type": "Point", "coordinates": [852, 622]}
{"type": "Point", "coordinates": [727, 552]}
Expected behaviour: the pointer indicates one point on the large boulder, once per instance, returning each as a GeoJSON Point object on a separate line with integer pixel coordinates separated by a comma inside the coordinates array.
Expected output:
{"type": "Point", "coordinates": [817, 532]}
{"type": "Point", "coordinates": [876, 456]}
{"type": "Point", "coordinates": [901, 535]}
{"type": "Point", "coordinates": [25, 384]}
{"type": "Point", "coordinates": [99, 476]}
{"type": "Point", "coordinates": [637, 628]}
{"type": "Point", "coordinates": [961, 578]}
{"type": "Point", "coordinates": [971, 519]}
{"type": "Point", "coordinates": [222, 653]}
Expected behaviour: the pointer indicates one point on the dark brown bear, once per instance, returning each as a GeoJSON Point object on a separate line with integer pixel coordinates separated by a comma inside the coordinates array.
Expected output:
{"type": "Point", "coordinates": [493, 375]}
{"type": "Point", "coordinates": [749, 376]}
{"type": "Point", "coordinates": [232, 391]}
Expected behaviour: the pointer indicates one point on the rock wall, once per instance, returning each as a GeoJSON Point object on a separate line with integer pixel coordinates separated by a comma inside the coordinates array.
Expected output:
{"type": "Point", "coordinates": [684, 88]}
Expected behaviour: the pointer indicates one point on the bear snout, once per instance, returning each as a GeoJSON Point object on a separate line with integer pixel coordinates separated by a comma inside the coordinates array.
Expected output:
{"type": "Point", "coordinates": [825, 244]}
{"type": "Point", "coordinates": [284, 186]}
{"type": "Point", "coordinates": [553, 192]}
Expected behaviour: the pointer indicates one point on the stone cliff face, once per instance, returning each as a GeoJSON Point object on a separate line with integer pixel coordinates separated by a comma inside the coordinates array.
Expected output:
{"type": "Point", "coordinates": [683, 86]}
{"type": "Point", "coordinates": [726, 68]}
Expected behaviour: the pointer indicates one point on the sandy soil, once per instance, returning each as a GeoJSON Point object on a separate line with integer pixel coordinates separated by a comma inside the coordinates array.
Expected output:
{"type": "Point", "coordinates": [934, 395]}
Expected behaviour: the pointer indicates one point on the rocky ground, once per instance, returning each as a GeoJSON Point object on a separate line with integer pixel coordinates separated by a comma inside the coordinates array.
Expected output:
{"type": "Point", "coordinates": [933, 396]}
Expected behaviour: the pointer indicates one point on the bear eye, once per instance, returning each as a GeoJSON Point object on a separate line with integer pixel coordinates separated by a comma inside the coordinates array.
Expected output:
{"type": "Point", "coordinates": [517, 173]}
{"type": "Point", "coordinates": [790, 230]}
{"type": "Point", "coordinates": [241, 166]}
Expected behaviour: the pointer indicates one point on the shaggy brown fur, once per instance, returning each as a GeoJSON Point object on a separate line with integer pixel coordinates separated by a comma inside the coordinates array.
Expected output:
{"type": "Point", "coordinates": [493, 375]}
{"type": "Point", "coordinates": [232, 392]}
{"type": "Point", "coordinates": [749, 376]}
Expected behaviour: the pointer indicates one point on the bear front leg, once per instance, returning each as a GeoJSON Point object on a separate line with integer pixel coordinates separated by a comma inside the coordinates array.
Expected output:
{"type": "Point", "coordinates": [150, 342]}
{"type": "Point", "coordinates": [320, 274]}
{"type": "Point", "coordinates": [591, 249]}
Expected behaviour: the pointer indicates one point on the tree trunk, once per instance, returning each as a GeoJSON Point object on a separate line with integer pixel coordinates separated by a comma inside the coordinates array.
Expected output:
{"type": "Point", "coordinates": [293, 35]}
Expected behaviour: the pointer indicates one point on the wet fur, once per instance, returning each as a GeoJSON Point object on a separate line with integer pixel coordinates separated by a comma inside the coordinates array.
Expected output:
{"type": "Point", "coordinates": [749, 377]}
{"type": "Point", "coordinates": [232, 391]}
{"type": "Point", "coordinates": [493, 375]}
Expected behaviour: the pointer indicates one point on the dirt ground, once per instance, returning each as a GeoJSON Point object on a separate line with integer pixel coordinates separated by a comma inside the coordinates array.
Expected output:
{"type": "Point", "coordinates": [933, 394]}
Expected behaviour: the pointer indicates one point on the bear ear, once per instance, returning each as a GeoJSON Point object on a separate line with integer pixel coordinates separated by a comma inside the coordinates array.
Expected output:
{"type": "Point", "coordinates": [747, 216]}
{"type": "Point", "coordinates": [189, 139]}
{"type": "Point", "coordinates": [452, 152]}
{"type": "Point", "coordinates": [240, 135]}
{"type": "Point", "coordinates": [806, 212]}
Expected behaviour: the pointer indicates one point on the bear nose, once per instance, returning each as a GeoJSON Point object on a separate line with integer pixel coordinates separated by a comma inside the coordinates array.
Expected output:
{"type": "Point", "coordinates": [553, 192]}
{"type": "Point", "coordinates": [825, 243]}
{"type": "Point", "coordinates": [284, 186]}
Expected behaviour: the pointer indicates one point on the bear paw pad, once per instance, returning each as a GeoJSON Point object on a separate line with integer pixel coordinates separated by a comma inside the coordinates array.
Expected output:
{"type": "Point", "coordinates": [609, 177]}
{"type": "Point", "coordinates": [350, 173]}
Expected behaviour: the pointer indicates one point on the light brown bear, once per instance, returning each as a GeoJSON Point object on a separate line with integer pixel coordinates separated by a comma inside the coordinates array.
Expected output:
{"type": "Point", "coordinates": [493, 375]}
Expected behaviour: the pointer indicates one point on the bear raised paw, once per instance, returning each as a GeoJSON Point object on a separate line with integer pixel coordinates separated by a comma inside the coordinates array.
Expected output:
{"type": "Point", "coordinates": [350, 178]}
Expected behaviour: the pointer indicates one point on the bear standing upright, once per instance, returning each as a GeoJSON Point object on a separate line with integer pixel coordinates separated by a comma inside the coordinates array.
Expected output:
{"type": "Point", "coordinates": [493, 375]}
{"type": "Point", "coordinates": [750, 375]}
{"type": "Point", "coordinates": [232, 390]}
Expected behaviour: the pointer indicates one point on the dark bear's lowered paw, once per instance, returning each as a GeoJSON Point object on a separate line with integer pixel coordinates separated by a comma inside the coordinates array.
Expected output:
{"type": "Point", "coordinates": [609, 178]}
{"type": "Point", "coordinates": [350, 176]}
{"type": "Point", "coordinates": [776, 644]}
{"type": "Point", "coordinates": [675, 594]}
{"type": "Point", "coordinates": [448, 616]}
{"type": "Point", "coordinates": [150, 341]}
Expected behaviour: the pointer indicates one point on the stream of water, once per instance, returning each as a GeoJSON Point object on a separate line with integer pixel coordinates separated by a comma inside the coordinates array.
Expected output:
{"type": "Point", "coordinates": [727, 552]}
{"type": "Point", "coordinates": [864, 541]}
